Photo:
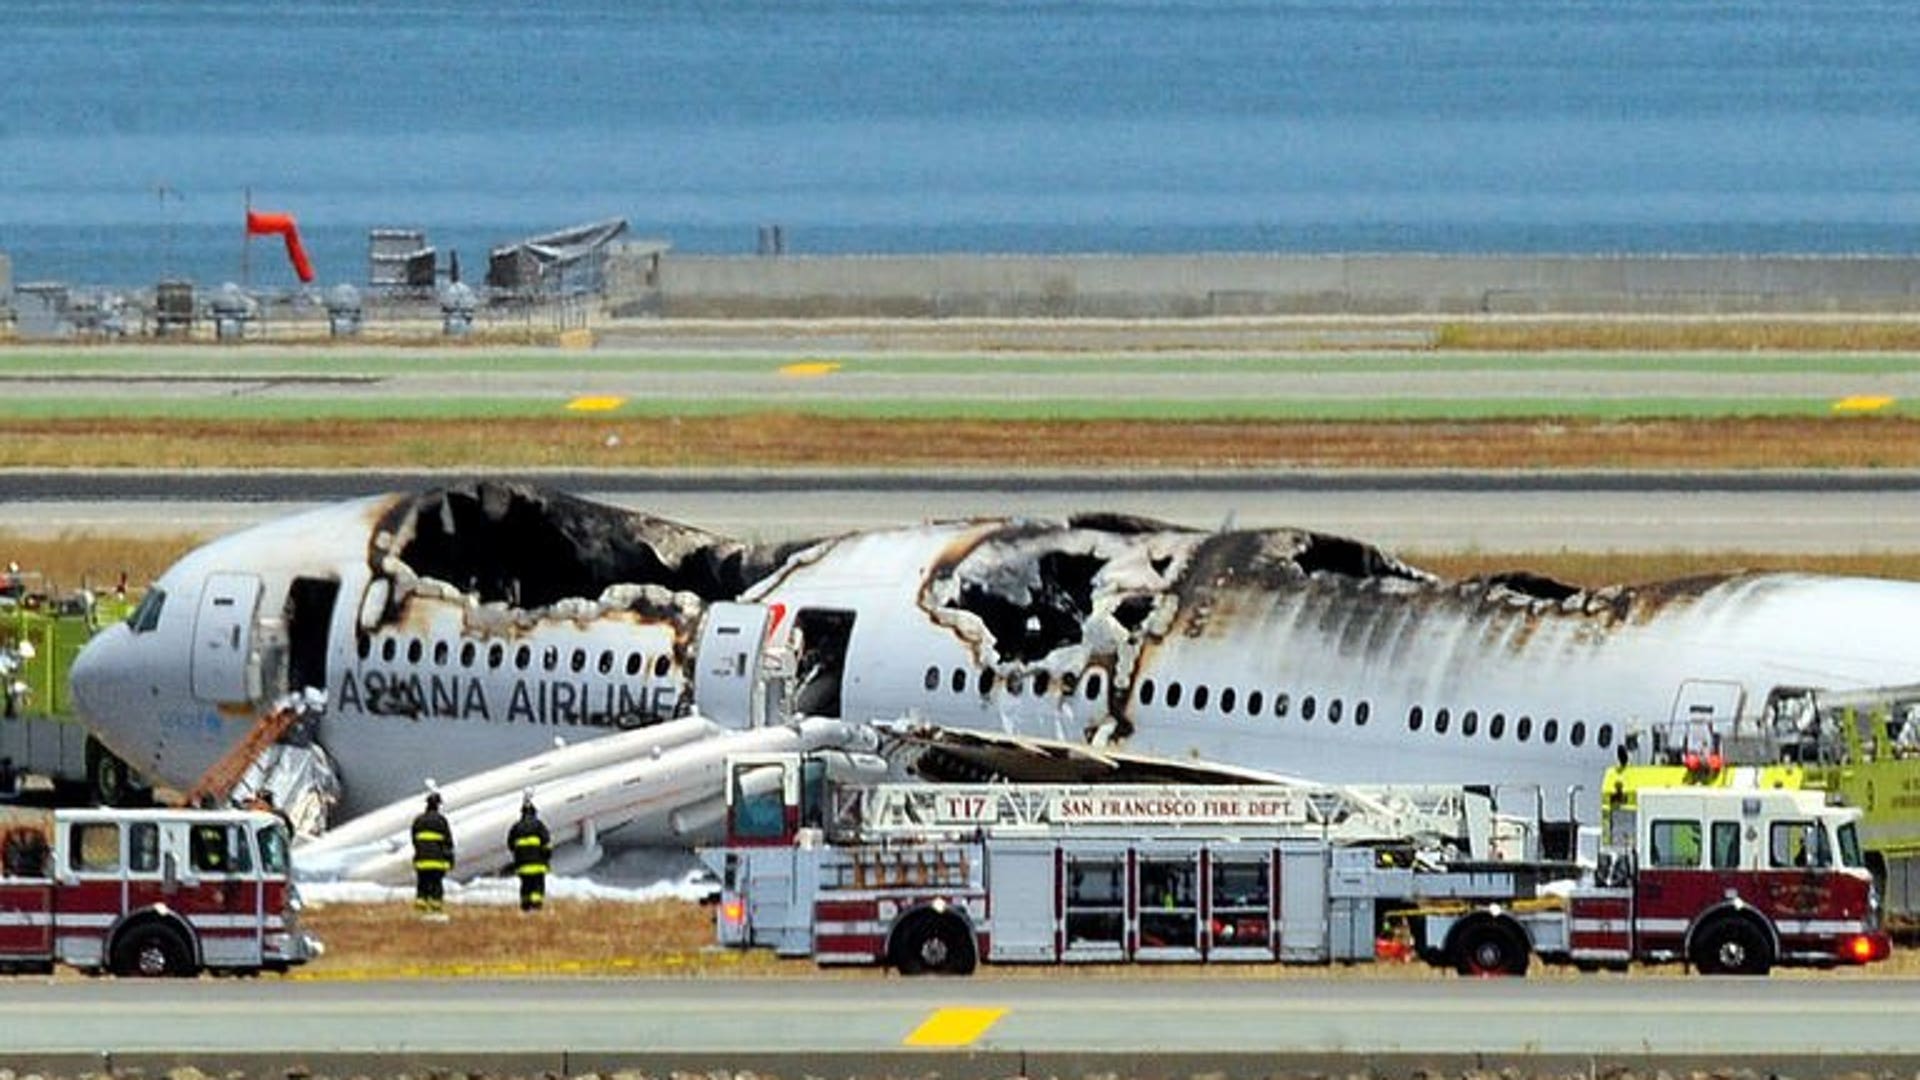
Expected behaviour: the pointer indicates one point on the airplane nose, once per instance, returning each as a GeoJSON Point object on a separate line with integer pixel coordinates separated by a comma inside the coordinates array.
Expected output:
{"type": "Point", "coordinates": [93, 677]}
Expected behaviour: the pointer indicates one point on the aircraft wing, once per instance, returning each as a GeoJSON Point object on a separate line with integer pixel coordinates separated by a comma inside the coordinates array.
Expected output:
{"type": "Point", "coordinates": [945, 754]}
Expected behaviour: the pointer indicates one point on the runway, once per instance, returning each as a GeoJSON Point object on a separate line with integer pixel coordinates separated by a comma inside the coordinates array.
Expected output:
{"type": "Point", "coordinates": [1405, 510]}
{"type": "Point", "coordinates": [991, 1026]}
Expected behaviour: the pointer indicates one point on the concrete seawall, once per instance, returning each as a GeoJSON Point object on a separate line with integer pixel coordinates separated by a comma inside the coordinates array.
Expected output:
{"type": "Point", "coordinates": [1198, 286]}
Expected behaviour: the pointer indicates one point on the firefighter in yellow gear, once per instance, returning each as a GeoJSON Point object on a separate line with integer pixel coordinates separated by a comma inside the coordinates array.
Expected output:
{"type": "Point", "coordinates": [532, 848]}
{"type": "Point", "coordinates": [432, 856]}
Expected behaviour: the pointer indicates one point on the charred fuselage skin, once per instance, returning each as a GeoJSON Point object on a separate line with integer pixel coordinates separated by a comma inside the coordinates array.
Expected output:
{"type": "Point", "coordinates": [474, 625]}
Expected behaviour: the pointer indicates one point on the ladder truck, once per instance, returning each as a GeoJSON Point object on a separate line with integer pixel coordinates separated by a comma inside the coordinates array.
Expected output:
{"type": "Point", "coordinates": [937, 878]}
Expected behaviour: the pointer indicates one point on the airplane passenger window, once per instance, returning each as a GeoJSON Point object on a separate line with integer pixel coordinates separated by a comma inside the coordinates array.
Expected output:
{"type": "Point", "coordinates": [389, 649]}
{"type": "Point", "coordinates": [635, 662]}
{"type": "Point", "coordinates": [1362, 713]}
{"type": "Point", "coordinates": [1470, 722]}
{"type": "Point", "coordinates": [1415, 717]}
{"type": "Point", "coordinates": [579, 660]}
{"type": "Point", "coordinates": [606, 661]}
{"type": "Point", "coordinates": [440, 652]}
{"type": "Point", "coordinates": [661, 665]}
{"type": "Point", "coordinates": [550, 658]}
{"type": "Point", "coordinates": [1041, 681]}
{"type": "Point", "coordinates": [933, 678]}
{"type": "Point", "coordinates": [1146, 692]}
{"type": "Point", "coordinates": [496, 655]}
{"type": "Point", "coordinates": [1306, 707]}
{"type": "Point", "coordinates": [1523, 729]}
{"type": "Point", "coordinates": [959, 681]}
{"type": "Point", "coordinates": [1441, 721]}
{"type": "Point", "coordinates": [415, 650]}
{"type": "Point", "coordinates": [522, 657]}
{"type": "Point", "coordinates": [1173, 695]}
{"type": "Point", "coordinates": [1550, 731]}
{"type": "Point", "coordinates": [1334, 710]}
{"type": "Point", "coordinates": [1497, 726]}
{"type": "Point", "coordinates": [1094, 686]}
{"type": "Point", "coordinates": [1200, 699]}
{"type": "Point", "coordinates": [1227, 698]}
{"type": "Point", "coordinates": [1280, 703]}
{"type": "Point", "coordinates": [468, 653]}
{"type": "Point", "coordinates": [1016, 683]}
{"type": "Point", "coordinates": [1256, 703]}
{"type": "Point", "coordinates": [985, 683]}
{"type": "Point", "coordinates": [1578, 734]}
{"type": "Point", "coordinates": [147, 615]}
{"type": "Point", "coordinates": [363, 645]}
{"type": "Point", "coordinates": [1605, 738]}
{"type": "Point", "coordinates": [1068, 681]}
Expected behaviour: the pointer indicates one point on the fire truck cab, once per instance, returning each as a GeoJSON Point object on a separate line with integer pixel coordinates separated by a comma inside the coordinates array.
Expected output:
{"type": "Point", "coordinates": [153, 892]}
{"type": "Point", "coordinates": [1731, 882]}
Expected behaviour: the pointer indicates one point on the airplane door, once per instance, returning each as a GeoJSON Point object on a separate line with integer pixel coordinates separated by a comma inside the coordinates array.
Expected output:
{"type": "Point", "coordinates": [726, 684]}
{"type": "Point", "coordinates": [223, 638]}
{"type": "Point", "coordinates": [1702, 708]}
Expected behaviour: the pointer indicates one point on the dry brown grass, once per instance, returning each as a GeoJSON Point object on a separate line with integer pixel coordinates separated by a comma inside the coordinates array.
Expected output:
{"type": "Point", "coordinates": [675, 938]}
{"type": "Point", "coordinates": [1732, 335]}
{"type": "Point", "coordinates": [788, 440]}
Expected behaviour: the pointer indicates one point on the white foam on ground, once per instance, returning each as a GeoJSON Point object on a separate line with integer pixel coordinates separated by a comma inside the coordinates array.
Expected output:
{"type": "Point", "coordinates": [633, 877]}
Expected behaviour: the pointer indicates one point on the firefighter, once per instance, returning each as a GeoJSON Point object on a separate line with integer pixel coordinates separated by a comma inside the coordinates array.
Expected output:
{"type": "Point", "coordinates": [432, 857]}
{"type": "Point", "coordinates": [532, 846]}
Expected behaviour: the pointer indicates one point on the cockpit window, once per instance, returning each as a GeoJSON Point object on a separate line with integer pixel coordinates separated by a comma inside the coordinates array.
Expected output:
{"type": "Point", "coordinates": [147, 615]}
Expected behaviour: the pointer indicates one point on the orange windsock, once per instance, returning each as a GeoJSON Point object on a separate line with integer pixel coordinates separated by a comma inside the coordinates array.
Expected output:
{"type": "Point", "coordinates": [282, 225]}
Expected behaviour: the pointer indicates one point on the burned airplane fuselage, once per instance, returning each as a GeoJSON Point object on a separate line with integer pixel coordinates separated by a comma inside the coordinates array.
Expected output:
{"type": "Point", "coordinates": [463, 628]}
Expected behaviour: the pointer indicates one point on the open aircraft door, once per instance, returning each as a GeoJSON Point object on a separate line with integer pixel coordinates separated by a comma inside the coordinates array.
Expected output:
{"type": "Point", "coordinates": [223, 670]}
{"type": "Point", "coordinates": [727, 687]}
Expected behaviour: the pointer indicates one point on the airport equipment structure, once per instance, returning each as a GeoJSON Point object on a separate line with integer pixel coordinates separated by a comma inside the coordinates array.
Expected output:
{"type": "Point", "coordinates": [936, 878]}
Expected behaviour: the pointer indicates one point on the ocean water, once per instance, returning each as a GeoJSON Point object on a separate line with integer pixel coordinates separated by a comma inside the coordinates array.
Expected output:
{"type": "Point", "coordinates": [133, 133]}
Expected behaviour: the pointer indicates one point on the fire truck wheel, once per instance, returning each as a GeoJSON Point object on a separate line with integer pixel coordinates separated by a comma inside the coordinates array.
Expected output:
{"type": "Point", "coordinates": [1732, 946]}
{"type": "Point", "coordinates": [152, 952]}
{"type": "Point", "coordinates": [931, 944]}
{"type": "Point", "coordinates": [1487, 947]}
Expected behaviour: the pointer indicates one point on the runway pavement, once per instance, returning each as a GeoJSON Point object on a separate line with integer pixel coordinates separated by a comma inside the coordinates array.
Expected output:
{"type": "Point", "coordinates": [878, 1025]}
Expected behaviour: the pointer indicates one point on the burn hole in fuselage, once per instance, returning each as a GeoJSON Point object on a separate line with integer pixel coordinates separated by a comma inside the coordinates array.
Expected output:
{"type": "Point", "coordinates": [1047, 614]}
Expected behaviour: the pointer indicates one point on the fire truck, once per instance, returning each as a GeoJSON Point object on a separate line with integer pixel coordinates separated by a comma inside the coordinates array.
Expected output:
{"type": "Point", "coordinates": [1861, 747]}
{"type": "Point", "coordinates": [935, 878]}
{"type": "Point", "coordinates": [157, 892]}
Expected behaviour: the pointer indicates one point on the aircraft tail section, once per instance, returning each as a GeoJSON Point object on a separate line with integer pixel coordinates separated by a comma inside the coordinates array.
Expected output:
{"type": "Point", "coordinates": [660, 786]}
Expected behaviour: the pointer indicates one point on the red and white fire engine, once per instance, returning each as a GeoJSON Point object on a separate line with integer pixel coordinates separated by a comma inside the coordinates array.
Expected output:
{"type": "Point", "coordinates": [148, 892]}
{"type": "Point", "coordinates": [1732, 882]}
{"type": "Point", "coordinates": [938, 877]}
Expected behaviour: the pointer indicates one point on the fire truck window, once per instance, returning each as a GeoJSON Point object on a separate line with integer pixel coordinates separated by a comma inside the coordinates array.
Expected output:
{"type": "Point", "coordinates": [95, 847]}
{"type": "Point", "coordinates": [1850, 847]}
{"type": "Point", "coordinates": [1674, 843]}
{"type": "Point", "coordinates": [1169, 908]}
{"type": "Point", "coordinates": [1096, 905]}
{"type": "Point", "coordinates": [143, 847]}
{"type": "Point", "coordinates": [1797, 844]}
{"type": "Point", "coordinates": [218, 849]}
{"type": "Point", "coordinates": [759, 810]}
{"type": "Point", "coordinates": [1241, 914]}
{"type": "Point", "coordinates": [1726, 845]}
{"type": "Point", "coordinates": [273, 849]}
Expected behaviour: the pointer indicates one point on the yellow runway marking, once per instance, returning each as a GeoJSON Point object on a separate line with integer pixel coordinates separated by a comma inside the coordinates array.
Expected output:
{"type": "Point", "coordinates": [810, 369]}
{"type": "Point", "coordinates": [1862, 404]}
{"type": "Point", "coordinates": [595, 404]}
{"type": "Point", "coordinates": [954, 1027]}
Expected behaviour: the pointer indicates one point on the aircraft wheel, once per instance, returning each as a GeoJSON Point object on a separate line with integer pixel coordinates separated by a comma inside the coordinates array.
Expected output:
{"type": "Point", "coordinates": [1732, 946]}
{"type": "Point", "coordinates": [1488, 947]}
{"type": "Point", "coordinates": [933, 944]}
{"type": "Point", "coordinates": [153, 952]}
{"type": "Point", "coordinates": [109, 781]}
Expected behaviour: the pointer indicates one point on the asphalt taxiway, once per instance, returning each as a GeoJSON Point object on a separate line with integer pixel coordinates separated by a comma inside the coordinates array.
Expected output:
{"type": "Point", "coordinates": [1062, 1025]}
